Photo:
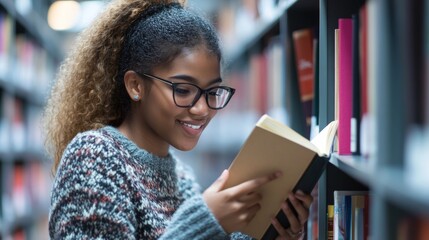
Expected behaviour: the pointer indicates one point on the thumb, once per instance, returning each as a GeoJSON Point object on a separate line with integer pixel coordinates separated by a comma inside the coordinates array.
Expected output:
{"type": "Point", "coordinates": [220, 182]}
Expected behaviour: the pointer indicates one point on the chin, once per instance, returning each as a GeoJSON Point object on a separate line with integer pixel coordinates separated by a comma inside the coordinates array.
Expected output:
{"type": "Point", "coordinates": [185, 147]}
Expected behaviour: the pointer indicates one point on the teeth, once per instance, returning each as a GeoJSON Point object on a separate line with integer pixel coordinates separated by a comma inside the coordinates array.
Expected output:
{"type": "Point", "coordinates": [192, 126]}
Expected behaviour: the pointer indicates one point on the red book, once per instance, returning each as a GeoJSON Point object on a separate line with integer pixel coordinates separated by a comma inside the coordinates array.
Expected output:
{"type": "Point", "coordinates": [258, 82]}
{"type": "Point", "coordinates": [423, 229]}
{"type": "Point", "coordinates": [303, 46]}
{"type": "Point", "coordinates": [345, 85]}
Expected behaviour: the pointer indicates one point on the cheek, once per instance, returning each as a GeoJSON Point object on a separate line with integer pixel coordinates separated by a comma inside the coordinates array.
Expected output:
{"type": "Point", "coordinates": [212, 113]}
{"type": "Point", "coordinates": [159, 100]}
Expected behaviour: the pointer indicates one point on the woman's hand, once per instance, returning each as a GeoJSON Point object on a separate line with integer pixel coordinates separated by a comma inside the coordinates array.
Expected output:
{"type": "Point", "coordinates": [236, 206]}
{"type": "Point", "coordinates": [301, 202]}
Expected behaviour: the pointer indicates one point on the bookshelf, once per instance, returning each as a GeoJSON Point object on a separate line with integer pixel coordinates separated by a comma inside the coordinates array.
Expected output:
{"type": "Point", "coordinates": [398, 36]}
{"type": "Point", "coordinates": [29, 56]}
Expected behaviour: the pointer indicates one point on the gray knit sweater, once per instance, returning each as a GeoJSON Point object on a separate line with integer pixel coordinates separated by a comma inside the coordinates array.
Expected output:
{"type": "Point", "coordinates": [108, 188]}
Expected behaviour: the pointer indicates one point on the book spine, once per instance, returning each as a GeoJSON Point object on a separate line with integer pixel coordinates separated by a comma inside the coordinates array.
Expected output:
{"type": "Point", "coordinates": [315, 108]}
{"type": "Point", "coordinates": [345, 85]}
{"type": "Point", "coordinates": [363, 42]}
{"type": "Point", "coordinates": [358, 224]}
{"type": "Point", "coordinates": [336, 83]}
{"type": "Point", "coordinates": [303, 46]}
{"type": "Point", "coordinates": [306, 183]}
{"type": "Point", "coordinates": [356, 113]}
{"type": "Point", "coordinates": [330, 222]}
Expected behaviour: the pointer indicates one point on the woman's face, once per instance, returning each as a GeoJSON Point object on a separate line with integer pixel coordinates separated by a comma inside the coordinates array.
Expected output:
{"type": "Point", "coordinates": [162, 122]}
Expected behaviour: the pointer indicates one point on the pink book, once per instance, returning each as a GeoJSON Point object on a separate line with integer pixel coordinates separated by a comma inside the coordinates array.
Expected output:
{"type": "Point", "coordinates": [345, 85]}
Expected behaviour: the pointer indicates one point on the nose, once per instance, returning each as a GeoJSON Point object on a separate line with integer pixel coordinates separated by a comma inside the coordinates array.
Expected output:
{"type": "Point", "coordinates": [201, 107]}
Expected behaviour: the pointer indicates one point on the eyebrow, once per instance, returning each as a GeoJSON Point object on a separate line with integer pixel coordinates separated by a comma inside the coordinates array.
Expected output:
{"type": "Point", "coordinates": [194, 80]}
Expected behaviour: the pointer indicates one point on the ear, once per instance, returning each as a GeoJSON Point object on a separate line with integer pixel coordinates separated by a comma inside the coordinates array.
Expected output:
{"type": "Point", "coordinates": [134, 85]}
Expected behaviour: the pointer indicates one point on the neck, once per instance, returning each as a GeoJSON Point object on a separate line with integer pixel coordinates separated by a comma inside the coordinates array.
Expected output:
{"type": "Point", "coordinates": [142, 139]}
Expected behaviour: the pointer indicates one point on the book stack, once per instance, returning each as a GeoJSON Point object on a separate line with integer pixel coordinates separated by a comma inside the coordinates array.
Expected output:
{"type": "Point", "coordinates": [351, 215]}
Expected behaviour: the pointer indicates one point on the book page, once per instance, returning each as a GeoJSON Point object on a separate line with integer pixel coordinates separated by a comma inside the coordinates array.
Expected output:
{"type": "Point", "coordinates": [265, 152]}
{"type": "Point", "coordinates": [284, 131]}
{"type": "Point", "coordinates": [273, 146]}
{"type": "Point", "coordinates": [323, 141]}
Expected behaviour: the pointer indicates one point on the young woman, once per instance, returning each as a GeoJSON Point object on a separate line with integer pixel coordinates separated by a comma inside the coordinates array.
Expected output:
{"type": "Point", "coordinates": [144, 77]}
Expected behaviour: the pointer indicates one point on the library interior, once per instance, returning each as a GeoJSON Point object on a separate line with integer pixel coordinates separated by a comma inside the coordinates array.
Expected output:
{"type": "Point", "coordinates": [363, 63]}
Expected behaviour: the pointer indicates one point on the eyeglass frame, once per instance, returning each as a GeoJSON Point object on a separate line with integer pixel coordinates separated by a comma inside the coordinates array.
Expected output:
{"type": "Point", "coordinates": [197, 96]}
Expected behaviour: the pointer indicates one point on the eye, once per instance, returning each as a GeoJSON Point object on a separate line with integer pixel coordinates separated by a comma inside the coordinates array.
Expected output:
{"type": "Point", "coordinates": [184, 89]}
{"type": "Point", "coordinates": [216, 92]}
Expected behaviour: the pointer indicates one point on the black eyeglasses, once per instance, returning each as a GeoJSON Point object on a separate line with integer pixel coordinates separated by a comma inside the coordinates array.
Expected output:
{"type": "Point", "coordinates": [185, 95]}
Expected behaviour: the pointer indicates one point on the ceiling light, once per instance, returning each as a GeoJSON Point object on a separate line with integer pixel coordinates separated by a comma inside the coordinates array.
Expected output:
{"type": "Point", "coordinates": [63, 15]}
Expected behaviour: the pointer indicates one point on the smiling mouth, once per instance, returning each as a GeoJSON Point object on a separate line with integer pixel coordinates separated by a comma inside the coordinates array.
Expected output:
{"type": "Point", "coordinates": [196, 127]}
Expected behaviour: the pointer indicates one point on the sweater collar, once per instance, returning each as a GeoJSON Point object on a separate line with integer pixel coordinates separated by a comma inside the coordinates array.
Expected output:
{"type": "Point", "coordinates": [163, 163]}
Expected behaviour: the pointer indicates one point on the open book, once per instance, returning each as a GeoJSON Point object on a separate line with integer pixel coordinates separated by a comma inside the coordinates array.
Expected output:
{"type": "Point", "coordinates": [273, 146]}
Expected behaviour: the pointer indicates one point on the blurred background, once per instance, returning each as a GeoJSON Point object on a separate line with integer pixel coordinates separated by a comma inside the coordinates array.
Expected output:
{"type": "Point", "coordinates": [36, 35]}
{"type": "Point", "coordinates": [272, 58]}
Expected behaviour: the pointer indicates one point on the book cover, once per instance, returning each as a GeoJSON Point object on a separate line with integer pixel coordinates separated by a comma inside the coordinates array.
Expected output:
{"type": "Point", "coordinates": [273, 146]}
{"type": "Point", "coordinates": [345, 85]}
{"type": "Point", "coordinates": [303, 47]}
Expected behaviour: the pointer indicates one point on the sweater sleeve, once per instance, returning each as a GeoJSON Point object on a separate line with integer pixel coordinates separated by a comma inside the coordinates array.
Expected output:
{"type": "Point", "coordinates": [89, 199]}
{"type": "Point", "coordinates": [193, 219]}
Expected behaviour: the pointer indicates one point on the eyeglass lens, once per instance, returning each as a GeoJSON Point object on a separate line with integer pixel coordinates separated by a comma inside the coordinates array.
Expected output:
{"type": "Point", "coordinates": [186, 95]}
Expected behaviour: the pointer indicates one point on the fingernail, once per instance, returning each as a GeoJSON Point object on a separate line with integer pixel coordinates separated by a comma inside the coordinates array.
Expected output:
{"type": "Point", "coordinates": [300, 193]}
{"type": "Point", "coordinates": [278, 174]}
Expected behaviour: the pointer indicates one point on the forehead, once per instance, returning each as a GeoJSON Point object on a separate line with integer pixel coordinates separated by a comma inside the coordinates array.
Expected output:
{"type": "Point", "coordinates": [197, 62]}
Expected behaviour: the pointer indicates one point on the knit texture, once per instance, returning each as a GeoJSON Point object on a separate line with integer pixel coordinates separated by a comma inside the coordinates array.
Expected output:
{"type": "Point", "coordinates": [108, 188]}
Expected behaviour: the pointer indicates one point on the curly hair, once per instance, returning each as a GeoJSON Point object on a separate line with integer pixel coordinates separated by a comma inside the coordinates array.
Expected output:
{"type": "Point", "coordinates": [129, 35]}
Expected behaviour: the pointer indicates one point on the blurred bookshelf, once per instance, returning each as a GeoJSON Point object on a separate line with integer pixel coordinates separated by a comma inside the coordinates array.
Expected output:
{"type": "Point", "coordinates": [262, 63]}
{"type": "Point", "coordinates": [29, 56]}
{"type": "Point", "coordinates": [394, 185]}
{"type": "Point", "coordinates": [386, 161]}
